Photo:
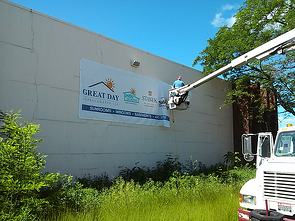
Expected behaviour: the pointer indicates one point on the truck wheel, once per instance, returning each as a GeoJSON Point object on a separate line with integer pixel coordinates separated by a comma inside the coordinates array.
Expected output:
{"type": "Point", "coordinates": [258, 214]}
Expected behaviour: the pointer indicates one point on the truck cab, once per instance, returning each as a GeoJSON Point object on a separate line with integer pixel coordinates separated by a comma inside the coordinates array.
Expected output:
{"type": "Point", "coordinates": [271, 195]}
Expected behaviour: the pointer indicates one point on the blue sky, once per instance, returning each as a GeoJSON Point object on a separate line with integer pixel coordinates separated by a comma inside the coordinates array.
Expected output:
{"type": "Point", "coordinates": [176, 29]}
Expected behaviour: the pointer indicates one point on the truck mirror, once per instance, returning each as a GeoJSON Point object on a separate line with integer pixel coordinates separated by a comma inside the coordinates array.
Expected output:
{"type": "Point", "coordinates": [248, 157]}
{"type": "Point", "coordinates": [246, 144]}
{"type": "Point", "coordinates": [247, 147]}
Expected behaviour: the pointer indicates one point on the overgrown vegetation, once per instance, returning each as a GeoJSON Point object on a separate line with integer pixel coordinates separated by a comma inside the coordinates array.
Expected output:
{"type": "Point", "coordinates": [20, 165]}
{"type": "Point", "coordinates": [169, 191]}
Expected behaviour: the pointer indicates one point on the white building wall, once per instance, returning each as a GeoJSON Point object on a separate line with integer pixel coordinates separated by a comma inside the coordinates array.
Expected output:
{"type": "Point", "coordinates": [39, 70]}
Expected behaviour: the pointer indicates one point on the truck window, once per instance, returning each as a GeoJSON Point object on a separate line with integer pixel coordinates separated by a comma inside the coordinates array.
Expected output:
{"type": "Point", "coordinates": [285, 144]}
{"type": "Point", "coordinates": [265, 146]}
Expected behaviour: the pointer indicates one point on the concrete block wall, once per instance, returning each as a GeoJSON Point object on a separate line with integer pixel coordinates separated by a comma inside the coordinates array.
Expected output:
{"type": "Point", "coordinates": [39, 70]}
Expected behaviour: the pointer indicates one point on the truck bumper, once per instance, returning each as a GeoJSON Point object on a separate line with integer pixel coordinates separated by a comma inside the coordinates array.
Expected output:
{"type": "Point", "coordinates": [243, 215]}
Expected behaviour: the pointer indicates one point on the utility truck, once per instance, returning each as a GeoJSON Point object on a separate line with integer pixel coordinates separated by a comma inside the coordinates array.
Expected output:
{"type": "Point", "coordinates": [271, 195]}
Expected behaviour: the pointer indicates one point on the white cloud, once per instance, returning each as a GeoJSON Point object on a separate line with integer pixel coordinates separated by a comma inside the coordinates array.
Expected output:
{"type": "Point", "coordinates": [220, 20]}
{"type": "Point", "coordinates": [228, 7]}
{"type": "Point", "coordinates": [230, 21]}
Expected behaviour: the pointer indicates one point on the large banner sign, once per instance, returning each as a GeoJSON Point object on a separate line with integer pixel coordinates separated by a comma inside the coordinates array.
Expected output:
{"type": "Point", "coordinates": [111, 94]}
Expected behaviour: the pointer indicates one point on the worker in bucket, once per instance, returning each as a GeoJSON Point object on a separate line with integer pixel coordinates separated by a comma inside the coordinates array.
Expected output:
{"type": "Point", "coordinates": [178, 83]}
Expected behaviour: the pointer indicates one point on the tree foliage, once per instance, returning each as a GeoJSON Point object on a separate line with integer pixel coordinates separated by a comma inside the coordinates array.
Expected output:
{"type": "Point", "coordinates": [257, 22]}
{"type": "Point", "coordinates": [20, 169]}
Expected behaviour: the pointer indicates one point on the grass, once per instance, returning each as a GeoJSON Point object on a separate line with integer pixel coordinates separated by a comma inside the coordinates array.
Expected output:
{"type": "Point", "coordinates": [169, 191]}
{"type": "Point", "coordinates": [181, 198]}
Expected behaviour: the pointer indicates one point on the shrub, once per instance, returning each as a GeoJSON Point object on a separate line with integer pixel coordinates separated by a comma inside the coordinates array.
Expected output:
{"type": "Point", "coordinates": [231, 171]}
{"type": "Point", "coordinates": [161, 173]}
{"type": "Point", "coordinates": [137, 174]}
{"type": "Point", "coordinates": [97, 182]}
{"type": "Point", "coordinates": [20, 165]}
{"type": "Point", "coordinates": [166, 168]}
{"type": "Point", "coordinates": [67, 195]}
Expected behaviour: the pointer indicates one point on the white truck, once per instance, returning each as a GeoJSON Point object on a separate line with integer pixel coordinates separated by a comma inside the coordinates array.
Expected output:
{"type": "Point", "coordinates": [271, 195]}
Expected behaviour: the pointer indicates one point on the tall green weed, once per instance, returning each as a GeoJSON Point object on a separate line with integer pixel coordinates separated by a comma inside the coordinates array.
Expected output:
{"type": "Point", "coordinates": [182, 197]}
{"type": "Point", "coordinates": [169, 191]}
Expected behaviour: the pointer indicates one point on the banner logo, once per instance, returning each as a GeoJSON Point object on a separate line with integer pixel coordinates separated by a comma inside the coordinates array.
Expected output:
{"type": "Point", "coordinates": [163, 102]}
{"type": "Point", "coordinates": [108, 83]}
{"type": "Point", "coordinates": [130, 96]}
{"type": "Point", "coordinates": [149, 100]}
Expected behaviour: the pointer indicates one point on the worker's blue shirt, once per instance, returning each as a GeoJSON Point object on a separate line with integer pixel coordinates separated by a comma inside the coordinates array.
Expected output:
{"type": "Point", "coordinates": [178, 84]}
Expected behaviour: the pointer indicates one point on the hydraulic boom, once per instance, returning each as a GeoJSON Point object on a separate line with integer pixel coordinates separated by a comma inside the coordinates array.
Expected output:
{"type": "Point", "coordinates": [280, 45]}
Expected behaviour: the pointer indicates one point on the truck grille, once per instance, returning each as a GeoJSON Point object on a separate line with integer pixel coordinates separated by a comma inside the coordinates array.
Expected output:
{"type": "Point", "coordinates": [279, 186]}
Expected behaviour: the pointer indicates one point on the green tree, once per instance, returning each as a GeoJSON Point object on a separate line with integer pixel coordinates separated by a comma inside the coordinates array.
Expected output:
{"type": "Point", "coordinates": [257, 22]}
{"type": "Point", "coordinates": [20, 169]}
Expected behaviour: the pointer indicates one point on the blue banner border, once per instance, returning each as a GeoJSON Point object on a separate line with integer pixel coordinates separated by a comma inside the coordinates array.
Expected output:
{"type": "Point", "coordinates": [124, 112]}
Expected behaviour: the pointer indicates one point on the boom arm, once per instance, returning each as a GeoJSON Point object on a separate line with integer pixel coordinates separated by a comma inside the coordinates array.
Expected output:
{"type": "Point", "coordinates": [280, 45]}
